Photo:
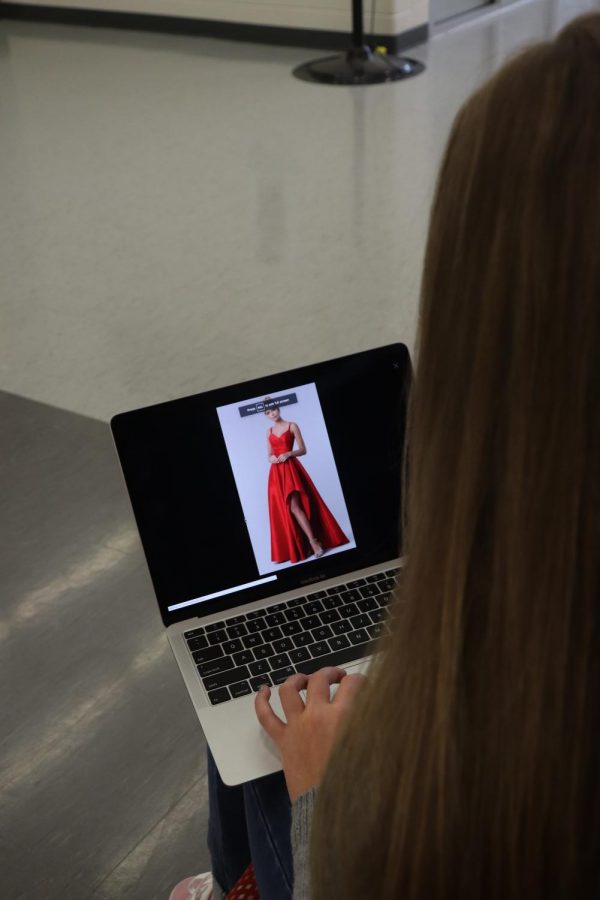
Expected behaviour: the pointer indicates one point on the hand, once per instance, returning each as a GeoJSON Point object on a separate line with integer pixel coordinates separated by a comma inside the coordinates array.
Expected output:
{"type": "Point", "coordinates": [273, 459]}
{"type": "Point", "coordinates": [306, 742]}
{"type": "Point", "coordinates": [283, 457]}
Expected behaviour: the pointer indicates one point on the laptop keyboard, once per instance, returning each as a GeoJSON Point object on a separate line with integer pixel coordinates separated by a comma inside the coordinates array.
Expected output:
{"type": "Point", "coordinates": [326, 628]}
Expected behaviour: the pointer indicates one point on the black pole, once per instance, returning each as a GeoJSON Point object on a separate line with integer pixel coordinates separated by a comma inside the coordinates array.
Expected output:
{"type": "Point", "coordinates": [358, 35]}
{"type": "Point", "coordinates": [359, 64]}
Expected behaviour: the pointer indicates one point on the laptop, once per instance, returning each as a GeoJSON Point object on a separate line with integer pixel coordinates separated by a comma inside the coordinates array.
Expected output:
{"type": "Point", "coordinates": [269, 514]}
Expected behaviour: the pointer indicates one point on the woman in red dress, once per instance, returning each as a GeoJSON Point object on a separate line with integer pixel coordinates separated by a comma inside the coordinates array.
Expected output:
{"type": "Point", "coordinates": [301, 523]}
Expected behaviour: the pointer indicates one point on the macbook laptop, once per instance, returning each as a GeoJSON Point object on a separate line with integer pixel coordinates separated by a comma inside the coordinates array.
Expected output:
{"type": "Point", "coordinates": [269, 515]}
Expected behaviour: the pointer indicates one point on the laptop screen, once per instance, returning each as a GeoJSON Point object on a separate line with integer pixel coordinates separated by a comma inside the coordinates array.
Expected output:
{"type": "Point", "coordinates": [255, 489]}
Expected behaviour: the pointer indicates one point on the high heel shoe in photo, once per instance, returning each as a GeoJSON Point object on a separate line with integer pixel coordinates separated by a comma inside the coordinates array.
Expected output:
{"type": "Point", "coordinates": [318, 552]}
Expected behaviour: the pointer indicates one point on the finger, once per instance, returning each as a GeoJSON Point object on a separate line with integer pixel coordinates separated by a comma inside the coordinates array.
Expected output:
{"type": "Point", "coordinates": [289, 694]}
{"type": "Point", "coordinates": [349, 688]}
{"type": "Point", "coordinates": [320, 682]}
{"type": "Point", "coordinates": [272, 724]}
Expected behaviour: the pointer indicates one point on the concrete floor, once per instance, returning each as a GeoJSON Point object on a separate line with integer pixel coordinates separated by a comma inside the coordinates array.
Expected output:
{"type": "Point", "coordinates": [177, 213]}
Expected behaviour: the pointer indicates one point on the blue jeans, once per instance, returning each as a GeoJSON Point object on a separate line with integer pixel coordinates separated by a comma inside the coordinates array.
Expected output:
{"type": "Point", "coordinates": [251, 823]}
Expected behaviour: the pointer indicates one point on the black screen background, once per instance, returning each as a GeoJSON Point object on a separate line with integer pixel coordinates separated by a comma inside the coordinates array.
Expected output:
{"type": "Point", "coordinates": [185, 500]}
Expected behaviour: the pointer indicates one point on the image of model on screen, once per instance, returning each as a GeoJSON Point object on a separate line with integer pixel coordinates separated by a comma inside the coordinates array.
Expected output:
{"type": "Point", "coordinates": [301, 523]}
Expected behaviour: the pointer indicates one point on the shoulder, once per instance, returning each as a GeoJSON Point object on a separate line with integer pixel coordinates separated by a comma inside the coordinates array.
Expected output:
{"type": "Point", "coordinates": [293, 426]}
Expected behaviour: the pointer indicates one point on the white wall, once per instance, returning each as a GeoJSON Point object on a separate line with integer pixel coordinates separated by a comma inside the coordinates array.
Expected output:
{"type": "Point", "coordinates": [391, 16]}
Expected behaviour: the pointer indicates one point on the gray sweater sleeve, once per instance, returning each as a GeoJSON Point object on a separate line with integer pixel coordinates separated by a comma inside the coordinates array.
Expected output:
{"type": "Point", "coordinates": [302, 812]}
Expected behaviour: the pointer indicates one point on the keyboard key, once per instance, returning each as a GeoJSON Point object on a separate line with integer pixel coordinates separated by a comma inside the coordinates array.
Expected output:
{"type": "Point", "coordinates": [319, 649]}
{"type": "Point", "coordinates": [356, 583]}
{"type": "Point", "coordinates": [236, 631]}
{"type": "Point", "coordinates": [259, 667]}
{"type": "Point", "coordinates": [279, 661]}
{"type": "Point", "coordinates": [332, 602]}
{"type": "Point", "coordinates": [217, 637]}
{"type": "Point", "coordinates": [291, 628]}
{"type": "Point", "coordinates": [367, 604]}
{"type": "Point", "coordinates": [219, 696]}
{"type": "Point", "coordinates": [264, 651]}
{"type": "Point", "coordinates": [255, 614]}
{"type": "Point", "coordinates": [240, 689]}
{"type": "Point", "coordinates": [358, 637]}
{"type": "Point", "coordinates": [378, 615]}
{"type": "Point", "coordinates": [198, 642]}
{"type": "Point", "coordinates": [255, 683]}
{"type": "Point", "coordinates": [317, 595]}
{"type": "Point", "coordinates": [255, 625]}
{"type": "Point", "coordinates": [247, 656]}
{"type": "Point", "coordinates": [339, 642]}
{"type": "Point", "coordinates": [280, 675]}
{"type": "Point", "coordinates": [376, 630]}
{"type": "Point", "coordinates": [215, 665]}
{"type": "Point", "coordinates": [388, 584]}
{"type": "Point", "coordinates": [384, 599]}
{"type": "Point", "coordinates": [301, 640]}
{"type": "Point", "coordinates": [208, 653]}
{"type": "Point", "coordinates": [301, 654]}
{"type": "Point", "coordinates": [271, 634]}
{"type": "Point", "coordinates": [378, 576]}
{"type": "Point", "coordinates": [214, 627]}
{"type": "Point", "coordinates": [349, 609]}
{"type": "Point", "coordinates": [369, 590]}
{"type": "Point", "coordinates": [392, 572]}
{"type": "Point", "coordinates": [361, 621]}
{"type": "Point", "coordinates": [297, 601]}
{"type": "Point", "coordinates": [252, 640]}
{"type": "Point", "coordinates": [194, 633]}
{"type": "Point", "coordinates": [275, 618]}
{"type": "Point", "coordinates": [235, 620]}
{"type": "Point", "coordinates": [310, 622]}
{"type": "Point", "coordinates": [337, 658]}
{"type": "Point", "coordinates": [330, 615]}
{"type": "Point", "coordinates": [312, 608]}
{"type": "Point", "coordinates": [232, 646]}
{"type": "Point", "coordinates": [221, 679]}
{"type": "Point", "coordinates": [335, 590]}
{"type": "Point", "coordinates": [276, 607]}
{"type": "Point", "coordinates": [297, 612]}
{"type": "Point", "coordinates": [350, 596]}
{"type": "Point", "coordinates": [322, 633]}
{"type": "Point", "coordinates": [283, 645]}
{"type": "Point", "coordinates": [341, 627]}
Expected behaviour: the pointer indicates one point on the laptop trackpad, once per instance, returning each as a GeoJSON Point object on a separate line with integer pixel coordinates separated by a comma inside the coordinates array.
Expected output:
{"type": "Point", "coordinates": [260, 755]}
{"type": "Point", "coordinates": [361, 668]}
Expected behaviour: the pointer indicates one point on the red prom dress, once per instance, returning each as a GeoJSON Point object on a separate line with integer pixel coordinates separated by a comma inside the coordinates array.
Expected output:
{"type": "Point", "coordinates": [288, 541]}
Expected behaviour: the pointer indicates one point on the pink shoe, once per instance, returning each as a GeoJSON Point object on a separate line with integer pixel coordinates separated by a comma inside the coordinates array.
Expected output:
{"type": "Point", "coordinates": [200, 887]}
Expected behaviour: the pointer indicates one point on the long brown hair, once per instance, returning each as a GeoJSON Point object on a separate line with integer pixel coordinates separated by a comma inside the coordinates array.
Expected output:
{"type": "Point", "coordinates": [468, 767]}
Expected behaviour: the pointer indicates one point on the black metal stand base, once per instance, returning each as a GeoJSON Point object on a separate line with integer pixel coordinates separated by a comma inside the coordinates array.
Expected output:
{"type": "Point", "coordinates": [359, 66]}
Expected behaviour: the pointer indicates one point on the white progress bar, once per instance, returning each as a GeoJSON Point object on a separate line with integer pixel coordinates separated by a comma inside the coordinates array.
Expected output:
{"type": "Point", "coordinates": [239, 587]}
